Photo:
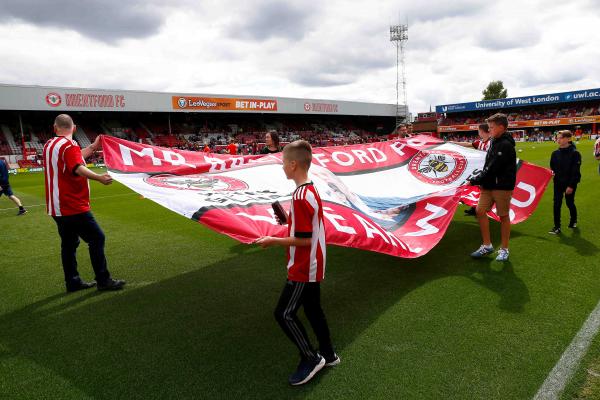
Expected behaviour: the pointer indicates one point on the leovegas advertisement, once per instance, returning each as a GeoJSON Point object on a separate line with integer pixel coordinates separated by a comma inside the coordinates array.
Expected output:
{"type": "Point", "coordinates": [223, 104]}
{"type": "Point", "coordinates": [527, 124]}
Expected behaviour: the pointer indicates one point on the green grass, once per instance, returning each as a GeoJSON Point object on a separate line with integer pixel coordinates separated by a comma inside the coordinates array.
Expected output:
{"type": "Point", "coordinates": [195, 320]}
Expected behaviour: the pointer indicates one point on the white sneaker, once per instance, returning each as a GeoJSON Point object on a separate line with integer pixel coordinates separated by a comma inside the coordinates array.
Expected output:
{"type": "Point", "coordinates": [482, 251]}
{"type": "Point", "coordinates": [502, 254]}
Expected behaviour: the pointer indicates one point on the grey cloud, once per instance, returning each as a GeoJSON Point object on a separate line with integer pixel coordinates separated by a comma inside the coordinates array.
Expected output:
{"type": "Point", "coordinates": [107, 20]}
{"type": "Point", "coordinates": [337, 68]}
{"type": "Point", "coordinates": [440, 9]}
{"type": "Point", "coordinates": [317, 79]}
{"type": "Point", "coordinates": [535, 77]}
{"type": "Point", "coordinates": [272, 19]}
{"type": "Point", "coordinates": [509, 37]}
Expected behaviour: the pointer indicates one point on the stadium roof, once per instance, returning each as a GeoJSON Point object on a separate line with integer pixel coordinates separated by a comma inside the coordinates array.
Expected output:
{"type": "Point", "coordinates": [47, 98]}
{"type": "Point", "coordinates": [537, 100]}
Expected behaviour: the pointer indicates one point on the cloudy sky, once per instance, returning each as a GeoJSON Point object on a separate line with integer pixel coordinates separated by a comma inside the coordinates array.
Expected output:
{"type": "Point", "coordinates": [324, 49]}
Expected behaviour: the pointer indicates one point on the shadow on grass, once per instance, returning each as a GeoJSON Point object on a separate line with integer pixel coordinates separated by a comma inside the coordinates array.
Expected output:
{"type": "Point", "coordinates": [210, 333]}
{"type": "Point", "coordinates": [583, 246]}
{"type": "Point", "coordinates": [500, 278]}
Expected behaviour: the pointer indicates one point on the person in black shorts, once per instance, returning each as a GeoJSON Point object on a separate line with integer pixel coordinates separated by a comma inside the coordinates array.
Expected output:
{"type": "Point", "coordinates": [5, 188]}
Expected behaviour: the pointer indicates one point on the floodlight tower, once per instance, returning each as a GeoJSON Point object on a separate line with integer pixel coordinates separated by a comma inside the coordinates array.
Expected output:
{"type": "Point", "coordinates": [399, 36]}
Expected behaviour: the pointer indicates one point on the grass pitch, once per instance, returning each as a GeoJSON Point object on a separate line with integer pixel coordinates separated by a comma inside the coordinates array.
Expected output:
{"type": "Point", "coordinates": [195, 319]}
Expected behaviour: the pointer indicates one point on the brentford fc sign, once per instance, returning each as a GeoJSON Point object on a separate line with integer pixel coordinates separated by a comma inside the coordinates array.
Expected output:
{"type": "Point", "coordinates": [85, 100]}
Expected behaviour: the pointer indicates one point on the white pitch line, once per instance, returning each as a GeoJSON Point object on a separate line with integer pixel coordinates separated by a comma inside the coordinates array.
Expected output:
{"type": "Point", "coordinates": [564, 369]}
{"type": "Point", "coordinates": [44, 204]}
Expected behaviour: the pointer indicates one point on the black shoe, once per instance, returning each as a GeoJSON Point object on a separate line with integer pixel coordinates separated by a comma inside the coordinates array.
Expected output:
{"type": "Point", "coordinates": [22, 212]}
{"type": "Point", "coordinates": [573, 225]}
{"type": "Point", "coordinates": [554, 231]}
{"type": "Point", "coordinates": [470, 211]}
{"type": "Point", "coordinates": [306, 370]}
{"type": "Point", "coordinates": [111, 284]}
{"type": "Point", "coordinates": [331, 360]}
{"type": "Point", "coordinates": [81, 285]}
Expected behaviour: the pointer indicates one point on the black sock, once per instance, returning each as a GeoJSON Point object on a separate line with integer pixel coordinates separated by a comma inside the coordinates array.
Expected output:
{"type": "Point", "coordinates": [21, 208]}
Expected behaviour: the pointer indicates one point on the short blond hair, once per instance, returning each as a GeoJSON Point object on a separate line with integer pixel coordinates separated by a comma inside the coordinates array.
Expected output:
{"type": "Point", "coordinates": [299, 151]}
{"type": "Point", "coordinates": [565, 134]}
{"type": "Point", "coordinates": [63, 121]}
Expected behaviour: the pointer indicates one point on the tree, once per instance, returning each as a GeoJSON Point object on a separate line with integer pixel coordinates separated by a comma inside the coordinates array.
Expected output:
{"type": "Point", "coordinates": [495, 90]}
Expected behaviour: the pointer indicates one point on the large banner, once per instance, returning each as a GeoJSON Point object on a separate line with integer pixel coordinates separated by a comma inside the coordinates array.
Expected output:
{"type": "Point", "coordinates": [396, 197]}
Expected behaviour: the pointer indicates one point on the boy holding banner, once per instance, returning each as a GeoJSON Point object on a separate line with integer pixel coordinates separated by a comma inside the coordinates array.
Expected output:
{"type": "Point", "coordinates": [306, 267]}
{"type": "Point", "coordinates": [497, 182]}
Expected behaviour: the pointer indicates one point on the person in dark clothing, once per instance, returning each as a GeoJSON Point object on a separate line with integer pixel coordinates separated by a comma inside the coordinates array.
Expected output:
{"type": "Point", "coordinates": [497, 182]}
{"type": "Point", "coordinates": [565, 164]}
{"type": "Point", "coordinates": [5, 188]}
{"type": "Point", "coordinates": [271, 143]}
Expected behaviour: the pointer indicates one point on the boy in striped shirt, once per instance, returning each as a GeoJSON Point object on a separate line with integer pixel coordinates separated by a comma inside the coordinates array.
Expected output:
{"type": "Point", "coordinates": [306, 267]}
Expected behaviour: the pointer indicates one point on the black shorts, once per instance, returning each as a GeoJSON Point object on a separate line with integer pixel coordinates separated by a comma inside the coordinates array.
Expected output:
{"type": "Point", "coordinates": [6, 190]}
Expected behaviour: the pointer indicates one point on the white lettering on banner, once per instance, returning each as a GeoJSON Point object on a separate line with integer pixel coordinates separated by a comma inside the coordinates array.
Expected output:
{"type": "Point", "coordinates": [530, 190]}
{"type": "Point", "coordinates": [374, 152]}
{"type": "Point", "coordinates": [270, 220]}
{"type": "Point", "coordinates": [146, 152]}
{"type": "Point", "coordinates": [237, 161]}
{"type": "Point", "coordinates": [397, 147]}
{"type": "Point", "coordinates": [318, 156]}
{"type": "Point", "coordinates": [361, 155]}
{"type": "Point", "coordinates": [473, 195]}
{"type": "Point", "coordinates": [423, 223]}
{"type": "Point", "coordinates": [336, 157]}
{"type": "Point", "coordinates": [215, 164]}
{"type": "Point", "coordinates": [328, 213]}
{"type": "Point", "coordinates": [370, 228]}
{"type": "Point", "coordinates": [175, 158]}
{"type": "Point", "coordinates": [346, 159]}
{"type": "Point", "coordinates": [393, 238]}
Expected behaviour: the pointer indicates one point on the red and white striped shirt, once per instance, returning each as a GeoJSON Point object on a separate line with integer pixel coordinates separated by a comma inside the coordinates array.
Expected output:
{"type": "Point", "coordinates": [597, 148]}
{"type": "Point", "coordinates": [306, 263]}
{"type": "Point", "coordinates": [66, 192]}
{"type": "Point", "coordinates": [483, 145]}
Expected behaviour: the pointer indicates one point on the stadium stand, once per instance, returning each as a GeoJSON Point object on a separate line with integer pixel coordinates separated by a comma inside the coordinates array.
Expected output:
{"type": "Point", "coordinates": [192, 131]}
{"type": "Point", "coordinates": [525, 114]}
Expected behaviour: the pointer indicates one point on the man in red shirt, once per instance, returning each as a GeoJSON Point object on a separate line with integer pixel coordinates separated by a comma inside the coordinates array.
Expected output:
{"type": "Point", "coordinates": [306, 267]}
{"type": "Point", "coordinates": [68, 202]}
{"type": "Point", "coordinates": [232, 148]}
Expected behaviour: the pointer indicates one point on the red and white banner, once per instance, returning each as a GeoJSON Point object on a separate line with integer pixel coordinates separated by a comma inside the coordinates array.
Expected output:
{"type": "Point", "coordinates": [394, 197]}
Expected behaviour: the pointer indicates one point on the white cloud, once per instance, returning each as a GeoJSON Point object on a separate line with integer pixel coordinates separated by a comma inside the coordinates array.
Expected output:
{"type": "Point", "coordinates": [333, 50]}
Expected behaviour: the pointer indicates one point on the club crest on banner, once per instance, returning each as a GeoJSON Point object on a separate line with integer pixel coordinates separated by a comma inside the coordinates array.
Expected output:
{"type": "Point", "coordinates": [201, 182]}
{"type": "Point", "coordinates": [438, 167]}
{"type": "Point", "coordinates": [181, 102]}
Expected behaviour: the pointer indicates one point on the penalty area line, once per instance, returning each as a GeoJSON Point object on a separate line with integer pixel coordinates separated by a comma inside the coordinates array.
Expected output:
{"type": "Point", "coordinates": [564, 369]}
